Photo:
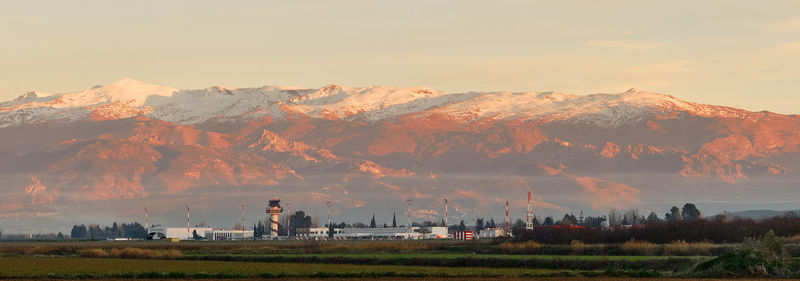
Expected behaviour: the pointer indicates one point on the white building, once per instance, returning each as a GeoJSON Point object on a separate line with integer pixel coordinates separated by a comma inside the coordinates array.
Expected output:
{"type": "Point", "coordinates": [375, 233]}
{"type": "Point", "coordinates": [494, 233]}
{"type": "Point", "coordinates": [182, 233]}
{"type": "Point", "coordinates": [228, 234]}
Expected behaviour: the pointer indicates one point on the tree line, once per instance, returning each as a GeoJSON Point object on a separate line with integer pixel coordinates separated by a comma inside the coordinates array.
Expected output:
{"type": "Point", "coordinates": [94, 231]}
{"type": "Point", "coordinates": [717, 229]}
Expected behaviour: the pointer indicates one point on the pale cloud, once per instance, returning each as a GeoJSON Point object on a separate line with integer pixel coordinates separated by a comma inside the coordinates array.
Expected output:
{"type": "Point", "coordinates": [783, 24]}
{"type": "Point", "coordinates": [624, 45]}
{"type": "Point", "coordinates": [607, 194]}
{"type": "Point", "coordinates": [786, 49]}
{"type": "Point", "coordinates": [678, 66]}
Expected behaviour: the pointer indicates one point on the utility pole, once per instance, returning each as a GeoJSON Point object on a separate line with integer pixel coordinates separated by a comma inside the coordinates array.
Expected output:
{"type": "Point", "coordinates": [242, 218]}
{"type": "Point", "coordinates": [330, 227]}
{"type": "Point", "coordinates": [529, 214]}
{"type": "Point", "coordinates": [409, 218]}
{"type": "Point", "coordinates": [506, 215]}
{"type": "Point", "coordinates": [288, 219]}
{"type": "Point", "coordinates": [445, 214]}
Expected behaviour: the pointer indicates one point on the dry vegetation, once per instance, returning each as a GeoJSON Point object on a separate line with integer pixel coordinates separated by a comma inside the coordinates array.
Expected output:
{"type": "Point", "coordinates": [683, 248]}
{"type": "Point", "coordinates": [131, 253]}
{"type": "Point", "coordinates": [639, 247]}
{"type": "Point", "coordinates": [527, 247]}
{"type": "Point", "coordinates": [577, 247]}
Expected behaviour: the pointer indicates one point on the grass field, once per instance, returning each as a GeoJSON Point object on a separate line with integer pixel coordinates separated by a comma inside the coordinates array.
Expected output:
{"type": "Point", "coordinates": [35, 267]}
{"type": "Point", "coordinates": [328, 259]}
{"type": "Point", "coordinates": [454, 256]}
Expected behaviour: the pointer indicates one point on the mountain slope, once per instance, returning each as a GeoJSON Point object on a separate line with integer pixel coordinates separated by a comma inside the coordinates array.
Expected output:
{"type": "Point", "coordinates": [376, 146]}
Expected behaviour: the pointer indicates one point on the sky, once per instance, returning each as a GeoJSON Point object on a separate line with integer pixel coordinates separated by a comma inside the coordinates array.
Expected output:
{"type": "Point", "coordinates": [744, 54]}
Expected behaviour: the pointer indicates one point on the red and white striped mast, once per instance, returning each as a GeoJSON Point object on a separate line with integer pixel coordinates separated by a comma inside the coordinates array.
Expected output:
{"type": "Point", "coordinates": [529, 214]}
{"type": "Point", "coordinates": [506, 214]}
{"type": "Point", "coordinates": [146, 225]}
{"type": "Point", "coordinates": [188, 215]}
{"type": "Point", "coordinates": [409, 218]}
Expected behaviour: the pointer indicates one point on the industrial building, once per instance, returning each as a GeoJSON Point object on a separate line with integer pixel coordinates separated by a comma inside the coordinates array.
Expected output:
{"type": "Point", "coordinates": [493, 233]}
{"type": "Point", "coordinates": [182, 233]}
{"type": "Point", "coordinates": [228, 234]}
{"type": "Point", "coordinates": [374, 233]}
{"type": "Point", "coordinates": [207, 233]}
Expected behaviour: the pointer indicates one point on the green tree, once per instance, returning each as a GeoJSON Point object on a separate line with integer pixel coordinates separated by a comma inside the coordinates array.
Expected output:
{"type": "Point", "coordinates": [479, 225]}
{"type": "Point", "coordinates": [491, 224]}
{"type": "Point", "coordinates": [690, 212]}
{"type": "Point", "coordinates": [394, 220]}
{"type": "Point", "coordinates": [674, 215]}
{"type": "Point", "coordinates": [299, 220]}
{"type": "Point", "coordinates": [569, 219]}
{"type": "Point", "coordinates": [372, 223]}
{"type": "Point", "coordinates": [79, 231]}
{"type": "Point", "coordinates": [95, 232]}
{"type": "Point", "coordinates": [548, 221]}
{"type": "Point", "coordinates": [653, 218]}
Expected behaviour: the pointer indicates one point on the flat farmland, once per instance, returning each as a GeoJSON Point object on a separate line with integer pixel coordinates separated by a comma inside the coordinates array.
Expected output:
{"type": "Point", "coordinates": [44, 267]}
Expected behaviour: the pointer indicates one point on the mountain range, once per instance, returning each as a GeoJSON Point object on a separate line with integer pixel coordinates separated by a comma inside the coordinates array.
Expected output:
{"type": "Point", "coordinates": [107, 151]}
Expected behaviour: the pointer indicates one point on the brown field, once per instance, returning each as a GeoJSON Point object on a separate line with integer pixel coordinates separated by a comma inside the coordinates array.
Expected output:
{"type": "Point", "coordinates": [434, 278]}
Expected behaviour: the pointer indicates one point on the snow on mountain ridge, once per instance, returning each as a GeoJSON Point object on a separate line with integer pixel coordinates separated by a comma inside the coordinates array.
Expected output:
{"type": "Point", "coordinates": [127, 98]}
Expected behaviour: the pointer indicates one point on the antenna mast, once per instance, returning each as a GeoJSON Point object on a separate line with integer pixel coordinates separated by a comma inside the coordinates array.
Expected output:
{"type": "Point", "coordinates": [445, 213]}
{"type": "Point", "coordinates": [529, 214]}
{"type": "Point", "coordinates": [329, 219]}
{"type": "Point", "coordinates": [506, 214]}
{"type": "Point", "coordinates": [409, 218]}
{"type": "Point", "coordinates": [288, 218]}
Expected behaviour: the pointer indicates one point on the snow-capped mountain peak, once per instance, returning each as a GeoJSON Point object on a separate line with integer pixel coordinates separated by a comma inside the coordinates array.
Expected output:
{"type": "Point", "coordinates": [127, 98]}
{"type": "Point", "coordinates": [123, 90]}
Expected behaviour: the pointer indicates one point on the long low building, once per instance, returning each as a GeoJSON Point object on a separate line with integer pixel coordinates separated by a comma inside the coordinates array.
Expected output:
{"type": "Point", "coordinates": [228, 234]}
{"type": "Point", "coordinates": [182, 233]}
{"type": "Point", "coordinates": [207, 233]}
{"type": "Point", "coordinates": [374, 233]}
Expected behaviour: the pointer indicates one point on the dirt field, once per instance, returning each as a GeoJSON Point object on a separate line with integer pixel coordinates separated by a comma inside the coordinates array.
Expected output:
{"type": "Point", "coordinates": [428, 279]}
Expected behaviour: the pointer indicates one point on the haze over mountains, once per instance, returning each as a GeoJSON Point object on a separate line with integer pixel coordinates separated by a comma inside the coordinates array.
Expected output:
{"type": "Point", "coordinates": [104, 153]}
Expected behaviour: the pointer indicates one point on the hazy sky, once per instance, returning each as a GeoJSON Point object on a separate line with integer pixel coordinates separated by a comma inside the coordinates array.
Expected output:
{"type": "Point", "coordinates": [738, 53]}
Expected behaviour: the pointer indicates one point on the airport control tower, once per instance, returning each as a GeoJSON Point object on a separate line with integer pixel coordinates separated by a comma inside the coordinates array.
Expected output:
{"type": "Point", "coordinates": [274, 210]}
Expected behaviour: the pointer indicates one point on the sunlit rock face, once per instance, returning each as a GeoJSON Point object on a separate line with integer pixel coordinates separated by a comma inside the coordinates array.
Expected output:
{"type": "Point", "coordinates": [372, 148]}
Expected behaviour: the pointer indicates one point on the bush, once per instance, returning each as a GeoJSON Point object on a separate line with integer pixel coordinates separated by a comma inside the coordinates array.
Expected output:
{"type": "Point", "coordinates": [683, 248]}
{"type": "Point", "coordinates": [577, 247]}
{"type": "Point", "coordinates": [638, 247]}
{"type": "Point", "coordinates": [520, 247]}
{"type": "Point", "coordinates": [756, 257]}
{"type": "Point", "coordinates": [136, 253]}
{"type": "Point", "coordinates": [93, 253]}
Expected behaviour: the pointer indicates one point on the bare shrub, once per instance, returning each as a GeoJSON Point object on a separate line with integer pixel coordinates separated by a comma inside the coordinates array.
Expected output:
{"type": "Point", "coordinates": [93, 253]}
{"type": "Point", "coordinates": [136, 253]}
{"type": "Point", "coordinates": [638, 247]}
{"type": "Point", "coordinates": [577, 247]}
{"type": "Point", "coordinates": [520, 247]}
{"type": "Point", "coordinates": [683, 248]}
